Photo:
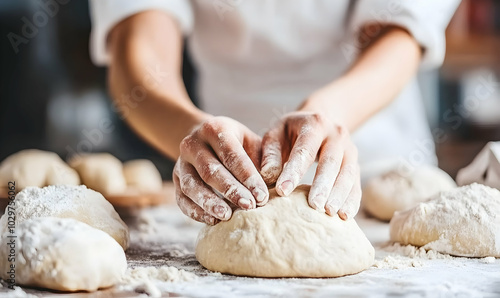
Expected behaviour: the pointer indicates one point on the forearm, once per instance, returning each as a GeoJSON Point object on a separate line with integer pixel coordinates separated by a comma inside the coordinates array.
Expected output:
{"type": "Point", "coordinates": [376, 78]}
{"type": "Point", "coordinates": [146, 83]}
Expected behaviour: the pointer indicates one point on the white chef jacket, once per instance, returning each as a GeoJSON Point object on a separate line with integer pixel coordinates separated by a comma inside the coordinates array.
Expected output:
{"type": "Point", "coordinates": [259, 59]}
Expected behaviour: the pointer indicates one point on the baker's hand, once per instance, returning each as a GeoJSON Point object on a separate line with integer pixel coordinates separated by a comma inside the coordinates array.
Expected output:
{"type": "Point", "coordinates": [220, 154]}
{"type": "Point", "coordinates": [290, 148]}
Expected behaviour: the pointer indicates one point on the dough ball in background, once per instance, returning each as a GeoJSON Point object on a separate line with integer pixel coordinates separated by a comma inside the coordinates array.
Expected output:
{"type": "Point", "coordinates": [77, 202]}
{"type": "Point", "coordinates": [101, 172]}
{"type": "Point", "coordinates": [397, 191]}
{"type": "Point", "coordinates": [63, 254]}
{"type": "Point", "coordinates": [142, 175]}
{"type": "Point", "coordinates": [463, 222]}
{"type": "Point", "coordinates": [39, 168]}
{"type": "Point", "coordinates": [285, 238]}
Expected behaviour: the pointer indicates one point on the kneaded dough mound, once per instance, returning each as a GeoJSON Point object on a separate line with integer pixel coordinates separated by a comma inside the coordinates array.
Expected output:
{"type": "Point", "coordinates": [36, 168]}
{"type": "Point", "coordinates": [63, 254]}
{"type": "Point", "coordinates": [285, 238]}
{"type": "Point", "coordinates": [461, 222]}
{"type": "Point", "coordinates": [396, 191]}
{"type": "Point", "coordinates": [77, 202]}
{"type": "Point", "coordinates": [101, 172]}
{"type": "Point", "coordinates": [142, 175]}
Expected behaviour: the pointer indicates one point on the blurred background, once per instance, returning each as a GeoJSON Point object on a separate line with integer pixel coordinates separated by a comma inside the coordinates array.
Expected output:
{"type": "Point", "coordinates": [53, 97]}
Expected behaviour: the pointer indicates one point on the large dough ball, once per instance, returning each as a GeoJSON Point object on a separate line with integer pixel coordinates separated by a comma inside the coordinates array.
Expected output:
{"type": "Point", "coordinates": [36, 168]}
{"type": "Point", "coordinates": [77, 202]}
{"type": "Point", "coordinates": [142, 175]}
{"type": "Point", "coordinates": [285, 238]}
{"type": "Point", "coordinates": [62, 254]}
{"type": "Point", "coordinates": [397, 191]}
{"type": "Point", "coordinates": [101, 171]}
{"type": "Point", "coordinates": [462, 222]}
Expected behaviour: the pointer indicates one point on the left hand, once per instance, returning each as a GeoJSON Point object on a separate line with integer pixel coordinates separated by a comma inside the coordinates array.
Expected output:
{"type": "Point", "coordinates": [290, 148]}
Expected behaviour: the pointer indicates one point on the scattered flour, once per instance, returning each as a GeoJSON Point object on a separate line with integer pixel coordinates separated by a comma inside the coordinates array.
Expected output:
{"type": "Point", "coordinates": [397, 262]}
{"type": "Point", "coordinates": [146, 279]}
{"type": "Point", "coordinates": [17, 293]}
{"type": "Point", "coordinates": [488, 260]}
{"type": "Point", "coordinates": [397, 256]}
{"type": "Point", "coordinates": [415, 252]}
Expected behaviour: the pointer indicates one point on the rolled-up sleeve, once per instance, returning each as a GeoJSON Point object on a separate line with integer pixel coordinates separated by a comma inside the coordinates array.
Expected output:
{"type": "Point", "coordinates": [425, 20]}
{"type": "Point", "coordinates": [105, 14]}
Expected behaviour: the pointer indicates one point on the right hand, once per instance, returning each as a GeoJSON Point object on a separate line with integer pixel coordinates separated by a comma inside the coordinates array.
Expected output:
{"type": "Point", "coordinates": [220, 154]}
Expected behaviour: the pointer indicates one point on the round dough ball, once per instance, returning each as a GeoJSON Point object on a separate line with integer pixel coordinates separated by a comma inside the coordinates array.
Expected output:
{"type": "Point", "coordinates": [39, 168]}
{"type": "Point", "coordinates": [143, 175]}
{"type": "Point", "coordinates": [461, 222]}
{"type": "Point", "coordinates": [64, 201]}
{"type": "Point", "coordinates": [397, 191]}
{"type": "Point", "coordinates": [285, 238]}
{"type": "Point", "coordinates": [63, 254]}
{"type": "Point", "coordinates": [101, 172]}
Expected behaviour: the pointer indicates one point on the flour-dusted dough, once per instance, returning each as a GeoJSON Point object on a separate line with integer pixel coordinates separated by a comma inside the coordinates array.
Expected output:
{"type": "Point", "coordinates": [63, 254]}
{"type": "Point", "coordinates": [397, 191]}
{"type": "Point", "coordinates": [285, 238]}
{"type": "Point", "coordinates": [34, 167]}
{"type": "Point", "coordinates": [77, 202]}
{"type": "Point", "coordinates": [101, 172]}
{"type": "Point", "coordinates": [461, 222]}
{"type": "Point", "coordinates": [142, 174]}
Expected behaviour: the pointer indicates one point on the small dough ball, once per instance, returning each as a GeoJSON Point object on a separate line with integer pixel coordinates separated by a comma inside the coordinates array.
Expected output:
{"type": "Point", "coordinates": [285, 238]}
{"type": "Point", "coordinates": [77, 202]}
{"type": "Point", "coordinates": [63, 254]}
{"type": "Point", "coordinates": [143, 175]}
{"type": "Point", "coordinates": [101, 171]}
{"type": "Point", "coordinates": [39, 168]}
{"type": "Point", "coordinates": [462, 222]}
{"type": "Point", "coordinates": [398, 191]}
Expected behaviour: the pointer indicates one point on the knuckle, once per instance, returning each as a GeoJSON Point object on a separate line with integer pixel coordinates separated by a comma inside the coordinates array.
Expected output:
{"type": "Point", "coordinates": [210, 127]}
{"type": "Point", "coordinates": [319, 119]}
{"type": "Point", "coordinates": [350, 170]}
{"type": "Point", "coordinates": [230, 158]}
{"type": "Point", "coordinates": [187, 182]}
{"type": "Point", "coordinates": [330, 160]}
{"type": "Point", "coordinates": [207, 171]}
{"type": "Point", "coordinates": [187, 144]}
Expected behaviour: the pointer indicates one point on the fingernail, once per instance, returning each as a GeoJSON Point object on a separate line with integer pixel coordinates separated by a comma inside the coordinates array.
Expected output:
{"type": "Point", "coordinates": [260, 195]}
{"type": "Point", "coordinates": [331, 210]}
{"type": "Point", "coordinates": [245, 203]}
{"type": "Point", "coordinates": [342, 215]}
{"type": "Point", "coordinates": [220, 211]}
{"type": "Point", "coordinates": [287, 187]}
{"type": "Point", "coordinates": [317, 202]}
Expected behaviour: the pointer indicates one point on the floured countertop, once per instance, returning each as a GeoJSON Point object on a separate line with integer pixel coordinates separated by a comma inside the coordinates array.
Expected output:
{"type": "Point", "coordinates": [163, 238]}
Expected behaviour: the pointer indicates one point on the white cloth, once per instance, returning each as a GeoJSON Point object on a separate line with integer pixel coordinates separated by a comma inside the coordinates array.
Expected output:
{"type": "Point", "coordinates": [258, 59]}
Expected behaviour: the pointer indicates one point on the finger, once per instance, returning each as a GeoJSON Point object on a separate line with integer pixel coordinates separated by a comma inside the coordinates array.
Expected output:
{"type": "Point", "coordinates": [351, 205]}
{"type": "Point", "coordinates": [330, 159]}
{"type": "Point", "coordinates": [189, 208]}
{"type": "Point", "coordinates": [195, 189]}
{"type": "Point", "coordinates": [271, 164]}
{"type": "Point", "coordinates": [213, 173]}
{"type": "Point", "coordinates": [302, 155]}
{"type": "Point", "coordinates": [349, 173]}
{"type": "Point", "coordinates": [230, 151]}
{"type": "Point", "coordinates": [252, 144]}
